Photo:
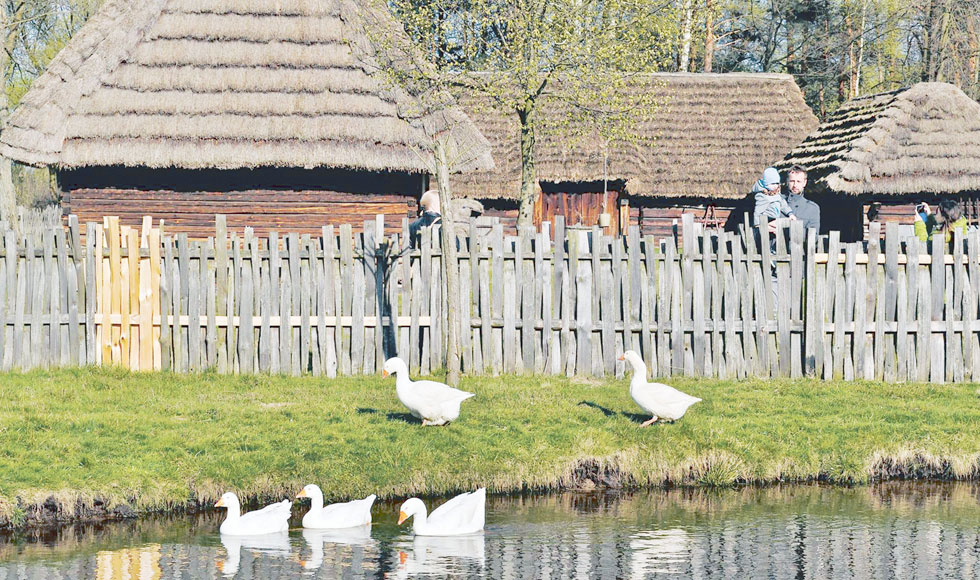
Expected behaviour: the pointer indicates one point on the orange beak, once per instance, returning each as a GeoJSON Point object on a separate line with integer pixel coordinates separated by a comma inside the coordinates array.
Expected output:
{"type": "Point", "coordinates": [221, 503]}
{"type": "Point", "coordinates": [302, 494]}
{"type": "Point", "coordinates": [402, 516]}
{"type": "Point", "coordinates": [622, 357]}
{"type": "Point", "coordinates": [384, 373]}
{"type": "Point", "coordinates": [402, 558]}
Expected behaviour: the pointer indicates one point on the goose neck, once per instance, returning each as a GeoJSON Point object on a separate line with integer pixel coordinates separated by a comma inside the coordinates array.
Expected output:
{"type": "Point", "coordinates": [420, 518]}
{"type": "Point", "coordinates": [639, 370]}
{"type": "Point", "coordinates": [316, 500]}
{"type": "Point", "coordinates": [402, 380]}
{"type": "Point", "coordinates": [234, 511]}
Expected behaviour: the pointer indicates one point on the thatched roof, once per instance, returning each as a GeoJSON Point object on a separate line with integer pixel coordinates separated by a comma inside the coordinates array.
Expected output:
{"type": "Point", "coordinates": [712, 137]}
{"type": "Point", "coordinates": [921, 139]}
{"type": "Point", "coordinates": [228, 84]}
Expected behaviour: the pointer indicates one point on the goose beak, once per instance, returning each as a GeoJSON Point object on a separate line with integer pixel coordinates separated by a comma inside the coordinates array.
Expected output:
{"type": "Point", "coordinates": [221, 503]}
{"type": "Point", "coordinates": [622, 357]}
{"type": "Point", "coordinates": [384, 373]}
{"type": "Point", "coordinates": [402, 558]}
{"type": "Point", "coordinates": [402, 516]}
{"type": "Point", "coordinates": [302, 494]}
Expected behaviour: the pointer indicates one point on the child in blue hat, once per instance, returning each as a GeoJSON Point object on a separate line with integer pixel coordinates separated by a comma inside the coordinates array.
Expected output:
{"type": "Point", "coordinates": [769, 203]}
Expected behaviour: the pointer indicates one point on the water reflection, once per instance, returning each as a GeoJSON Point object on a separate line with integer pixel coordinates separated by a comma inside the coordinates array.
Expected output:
{"type": "Point", "coordinates": [129, 564]}
{"type": "Point", "coordinates": [892, 531]}
{"type": "Point", "coordinates": [659, 552]}
{"type": "Point", "coordinates": [335, 546]}
{"type": "Point", "coordinates": [443, 556]}
{"type": "Point", "coordinates": [267, 545]}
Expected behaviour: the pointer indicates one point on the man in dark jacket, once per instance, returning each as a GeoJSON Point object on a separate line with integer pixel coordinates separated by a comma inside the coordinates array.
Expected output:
{"type": "Point", "coordinates": [431, 214]}
{"type": "Point", "coordinates": [805, 210]}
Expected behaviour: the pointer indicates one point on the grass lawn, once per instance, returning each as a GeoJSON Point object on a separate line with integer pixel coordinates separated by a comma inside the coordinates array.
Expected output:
{"type": "Point", "coordinates": [158, 441]}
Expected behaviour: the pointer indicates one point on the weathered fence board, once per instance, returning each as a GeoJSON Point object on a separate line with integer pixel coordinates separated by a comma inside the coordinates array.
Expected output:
{"type": "Point", "coordinates": [557, 301]}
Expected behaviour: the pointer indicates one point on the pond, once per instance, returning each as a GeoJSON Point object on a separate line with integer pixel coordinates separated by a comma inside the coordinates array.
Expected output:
{"type": "Point", "coordinates": [924, 530]}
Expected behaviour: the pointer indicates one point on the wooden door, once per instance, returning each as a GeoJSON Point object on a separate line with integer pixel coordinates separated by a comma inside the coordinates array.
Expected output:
{"type": "Point", "coordinates": [579, 209]}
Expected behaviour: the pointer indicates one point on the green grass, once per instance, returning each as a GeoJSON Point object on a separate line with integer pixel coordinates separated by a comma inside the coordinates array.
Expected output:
{"type": "Point", "coordinates": [158, 441]}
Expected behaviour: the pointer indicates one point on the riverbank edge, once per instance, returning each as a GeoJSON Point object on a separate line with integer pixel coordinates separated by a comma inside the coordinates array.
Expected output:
{"type": "Point", "coordinates": [590, 474]}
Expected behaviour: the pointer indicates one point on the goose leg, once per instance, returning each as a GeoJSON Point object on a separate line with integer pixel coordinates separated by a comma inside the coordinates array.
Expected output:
{"type": "Point", "coordinates": [425, 422]}
{"type": "Point", "coordinates": [650, 422]}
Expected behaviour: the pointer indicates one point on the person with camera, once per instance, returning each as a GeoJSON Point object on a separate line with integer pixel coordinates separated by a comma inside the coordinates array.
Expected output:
{"type": "Point", "coordinates": [945, 221]}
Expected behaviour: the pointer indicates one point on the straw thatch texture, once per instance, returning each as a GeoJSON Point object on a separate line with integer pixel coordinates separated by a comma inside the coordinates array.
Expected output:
{"type": "Point", "coordinates": [230, 84]}
{"type": "Point", "coordinates": [711, 137]}
{"type": "Point", "coordinates": [922, 139]}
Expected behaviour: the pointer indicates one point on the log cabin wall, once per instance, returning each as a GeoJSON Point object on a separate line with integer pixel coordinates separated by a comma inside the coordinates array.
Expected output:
{"type": "Point", "coordinates": [284, 200]}
{"type": "Point", "coordinates": [657, 217]}
{"type": "Point", "coordinates": [654, 216]}
{"type": "Point", "coordinates": [503, 210]}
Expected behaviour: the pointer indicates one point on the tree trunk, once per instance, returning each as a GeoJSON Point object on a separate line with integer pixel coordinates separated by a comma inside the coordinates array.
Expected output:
{"type": "Point", "coordinates": [685, 57]}
{"type": "Point", "coordinates": [709, 37]}
{"type": "Point", "coordinates": [851, 59]}
{"type": "Point", "coordinates": [973, 42]}
{"type": "Point", "coordinates": [860, 51]}
{"type": "Point", "coordinates": [8, 195]}
{"type": "Point", "coordinates": [450, 266]}
{"type": "Point", "coordinates": [927, 55]}
{"type": "Point", "coordinates": [529, 174]}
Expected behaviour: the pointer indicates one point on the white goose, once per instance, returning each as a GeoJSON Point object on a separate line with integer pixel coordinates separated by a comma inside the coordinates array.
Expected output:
{"type": "Point", "coordinates": [268, 520]}
{"type": "Point", "coordinates": [659, 400]}
{"type": "Point", "coordinates": [464, 514]}
{"type": "Point", "coordinates": [338, 515]}
{"type": "Point", "coordinates": [434, 403]}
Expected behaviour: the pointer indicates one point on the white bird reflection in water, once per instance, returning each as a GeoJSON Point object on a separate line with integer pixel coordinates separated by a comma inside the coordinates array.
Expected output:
{"type": "Point", "coordinates": [328, 544]}
{"type": "Point", "coordinates": [265, 545]}
{"type": "Point", "coordinates": [659, 552]}
{"type": "Point", "coordinates": [442, 555]}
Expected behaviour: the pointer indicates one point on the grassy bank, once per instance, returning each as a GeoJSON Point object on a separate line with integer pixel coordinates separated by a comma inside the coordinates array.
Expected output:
{"type": "Point", "coordinates": [161, 441]}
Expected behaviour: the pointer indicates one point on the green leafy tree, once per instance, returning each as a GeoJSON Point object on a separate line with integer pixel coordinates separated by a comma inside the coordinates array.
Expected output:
{"type": "Point", "coordinates": [32, 32]}
{"type": "Point", "coordinates": [514, 51]}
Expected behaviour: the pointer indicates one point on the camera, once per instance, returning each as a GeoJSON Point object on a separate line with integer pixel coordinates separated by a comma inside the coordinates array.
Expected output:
{"type": "Point", "coordinates": [921, 208]}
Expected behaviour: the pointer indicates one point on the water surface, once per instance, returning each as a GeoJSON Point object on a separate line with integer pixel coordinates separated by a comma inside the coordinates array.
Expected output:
{"type": "Point", "coordinates": [888, 531]}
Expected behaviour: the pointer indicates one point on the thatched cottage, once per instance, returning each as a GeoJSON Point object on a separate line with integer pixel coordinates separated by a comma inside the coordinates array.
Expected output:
{"type": "Point", "coordinates": [269, 111]}
{"type": "Point", "coordinates": [893, 150]}
{"type": "Point", "coordinates": [706, 145]}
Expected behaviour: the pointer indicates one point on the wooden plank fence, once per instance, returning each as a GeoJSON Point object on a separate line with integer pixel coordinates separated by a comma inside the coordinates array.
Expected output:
{"type": "Point", "coordinates": [724, 305]}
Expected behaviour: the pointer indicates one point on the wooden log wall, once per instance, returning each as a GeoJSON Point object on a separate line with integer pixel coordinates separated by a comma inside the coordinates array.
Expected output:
{"type": "Point", "coordinates": [304, 212]}
{"type": "Point", "coordinates": [661, 219]}
{"type": "Point", "coordinates": [725, 305]}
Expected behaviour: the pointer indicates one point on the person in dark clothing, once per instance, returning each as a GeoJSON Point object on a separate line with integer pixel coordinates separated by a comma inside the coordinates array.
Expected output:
{"type": "Point", "coordinates": [431, 214]}
{"type": "Point", "coordinates": [805, 210]}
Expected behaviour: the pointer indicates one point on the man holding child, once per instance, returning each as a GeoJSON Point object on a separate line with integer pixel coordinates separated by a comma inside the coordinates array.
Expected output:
{"type": "Point", "coordinates": [777, 209]}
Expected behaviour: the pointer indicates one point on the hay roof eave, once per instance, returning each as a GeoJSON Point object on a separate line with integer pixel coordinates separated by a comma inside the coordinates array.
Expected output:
{"type": "Point", "coordinates": [230, 84]}
{"type": "Point", "coordinates": [923, 139]}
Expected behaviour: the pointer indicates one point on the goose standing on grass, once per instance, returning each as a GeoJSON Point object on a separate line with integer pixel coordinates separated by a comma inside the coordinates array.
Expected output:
{"type": "Point", "coordinates": [268, 520]}
{"type": "Point", "coordinates": [464, 514]}
{"type": "Point", "coordinates": [338, 515]}
{"type": "Point", "coordinates": [659, 400]}
{"type": "Point", "coordinates": [434, 403]}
